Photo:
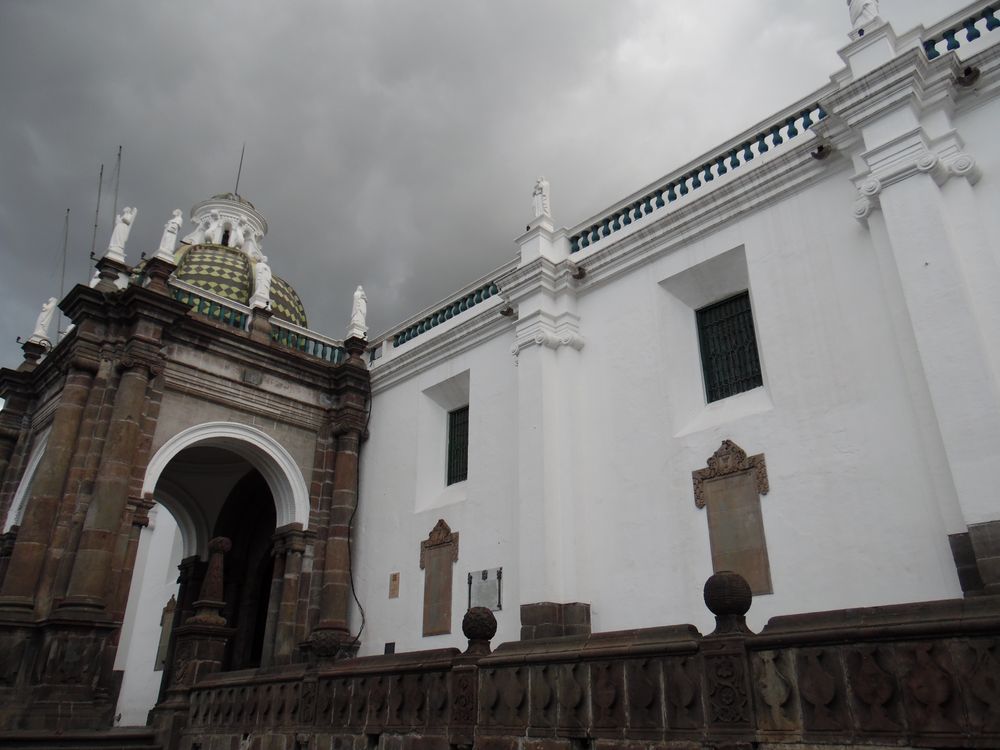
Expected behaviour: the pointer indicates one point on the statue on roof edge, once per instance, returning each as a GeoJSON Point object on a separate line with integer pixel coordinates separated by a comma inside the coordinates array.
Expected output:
{"type": "Point", "coordinates": [863, 12]}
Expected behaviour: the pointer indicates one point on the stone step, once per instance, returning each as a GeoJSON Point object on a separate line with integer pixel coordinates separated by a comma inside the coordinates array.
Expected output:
{"type": "Point", "coordinates": [137, 738]}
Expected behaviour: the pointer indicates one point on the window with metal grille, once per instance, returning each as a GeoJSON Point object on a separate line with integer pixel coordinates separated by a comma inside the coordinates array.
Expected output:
{"type": "Point", "coordinates": [729, 358]}
{"type": "Point", "coordinates": [458, 445]}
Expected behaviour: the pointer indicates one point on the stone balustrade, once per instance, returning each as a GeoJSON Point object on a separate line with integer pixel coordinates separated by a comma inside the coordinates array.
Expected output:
{"type": "Point", "coordinates": [303, 340]}
{"type": "Point", "coordinates": [965, 26]}
{"type": "Point", "coordinates": [454, 308]}
{"type": "Point", "coordinates": [738, 153]}
{"type": "Point", "coordinates": [212, 306]}
{"type": "Point", "coordinates": [922, 675]}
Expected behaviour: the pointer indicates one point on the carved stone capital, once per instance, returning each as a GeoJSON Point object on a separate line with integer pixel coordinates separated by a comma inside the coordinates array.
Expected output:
{"type": "Point", "coordinates": [965, 166]}
{"type": "Point", "coordinates": [729, 459]}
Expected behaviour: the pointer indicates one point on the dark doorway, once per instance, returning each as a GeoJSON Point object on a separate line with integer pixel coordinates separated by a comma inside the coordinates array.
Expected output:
{"type": "Point", "coordinates": [248, 519]}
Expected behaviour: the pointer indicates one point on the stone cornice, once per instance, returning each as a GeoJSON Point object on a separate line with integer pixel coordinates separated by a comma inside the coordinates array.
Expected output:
{"type": "Point", "coordinates": [540, 274]}
{"type": "Point", "coordinates": [785, 175]}
{"type": "Point", "coordinates": [207, 386]}
{"type": "Point", "coordinates": [431, 351]}
{"type": "Point", "coordinates": [236, 346]}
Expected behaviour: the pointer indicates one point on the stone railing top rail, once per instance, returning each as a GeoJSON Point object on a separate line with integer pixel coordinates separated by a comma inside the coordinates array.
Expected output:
{"type": "Point", "coordinates": [754, 142]}
{"type": "Point", "coordinates": [965, 25]}
{"type": "Point", "coordinates": [307, 333]}
{"type": "Point", "coordinates": [205, 294]}
{"type": "Point", "coordinates": [672, 639]}
{"type": "Point", "coordinates": [900, 621]}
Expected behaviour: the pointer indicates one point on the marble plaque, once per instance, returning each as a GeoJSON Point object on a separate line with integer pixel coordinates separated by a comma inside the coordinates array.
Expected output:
{"type": "Point", "coordinates": [485, 589]}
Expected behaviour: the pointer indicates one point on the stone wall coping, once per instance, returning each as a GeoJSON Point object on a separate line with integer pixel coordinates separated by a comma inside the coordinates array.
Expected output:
{"type": "Point", "coordinates": [674, 639]}
{"type": "Point", "coordinates": [899, 621]}
{"type": "Point", "coordinates": [433, 660]}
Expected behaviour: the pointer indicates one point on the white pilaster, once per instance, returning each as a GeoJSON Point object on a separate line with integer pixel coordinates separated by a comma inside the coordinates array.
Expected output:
{"type": "Point", "coordinates": [546, 352]}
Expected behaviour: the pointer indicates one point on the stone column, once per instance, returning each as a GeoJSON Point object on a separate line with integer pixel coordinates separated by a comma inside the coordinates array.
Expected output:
{"type": "Point", "coordinates": [92, 568]}
{"type": "Point", "coordinates": [332, 637]}
{"type": "Point", "coordinates": [190, 572]}
{"type": "Point", "coordinates": [332, 631]}
{"type": "Point", "coordinates": [28, 557]}
{"type": "Point", "coordinates": [293, 544]}
{"type": "Point", "coordinates": [273, 601]}
{"type": "Point", "coordinates": [199, 646]}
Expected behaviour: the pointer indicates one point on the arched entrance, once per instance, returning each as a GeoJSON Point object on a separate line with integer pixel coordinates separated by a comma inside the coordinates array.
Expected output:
{"type": "Point", "coordinates": [212, 480]}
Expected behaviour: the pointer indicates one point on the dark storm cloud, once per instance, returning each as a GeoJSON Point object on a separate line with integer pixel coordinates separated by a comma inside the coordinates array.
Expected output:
{"type": "Point", "coordinates": [389, 143]}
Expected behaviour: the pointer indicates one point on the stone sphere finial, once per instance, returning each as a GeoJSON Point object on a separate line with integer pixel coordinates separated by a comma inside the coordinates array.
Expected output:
{"type": "Point", "coordinates": [479, 625]}
{"type": "Point", "coordinates": [728, 597]}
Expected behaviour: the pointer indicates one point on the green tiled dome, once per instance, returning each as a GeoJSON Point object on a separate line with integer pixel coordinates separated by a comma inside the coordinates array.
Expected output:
{"type": "Point", "coordinates": [228, 273]}
{"type": "Point", "coordinates": [286, 304]}
{"type": "Point", "coordinates": [217, 269]}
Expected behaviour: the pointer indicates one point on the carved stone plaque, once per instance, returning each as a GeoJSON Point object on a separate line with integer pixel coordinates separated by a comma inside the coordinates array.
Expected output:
{"type": "Point", "coordinates": [438, 555]}
{"type": "Point", "coordinates": [394, 585]}
{"type": "Point", "coordinates": [730, 489]}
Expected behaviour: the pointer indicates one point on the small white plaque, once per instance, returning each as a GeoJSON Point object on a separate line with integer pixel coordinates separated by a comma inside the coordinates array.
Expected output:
{"type": "Point", "coordinates": [485, 589]}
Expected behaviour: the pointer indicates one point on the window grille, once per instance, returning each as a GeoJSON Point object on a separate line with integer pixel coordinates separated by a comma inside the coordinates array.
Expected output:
{"type": "Point", "coordinates": [728, 348]}
{"type": "Point", "coordinates": [458, 445]}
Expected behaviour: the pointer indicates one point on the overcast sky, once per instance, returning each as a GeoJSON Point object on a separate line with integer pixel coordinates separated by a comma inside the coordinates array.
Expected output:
{"type": "Point", "coordinates": [389, 143]}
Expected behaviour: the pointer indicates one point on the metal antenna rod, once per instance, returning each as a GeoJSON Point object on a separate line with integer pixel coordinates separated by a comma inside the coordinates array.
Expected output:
{"type": "Point", "coordinates": [100, 183]}
{"type": "Point", "coordinates": [62, 278]}
{"type": "Point", "coordinates": [239, 171]}
{"type": "Point", "coordinates": [118, 174]}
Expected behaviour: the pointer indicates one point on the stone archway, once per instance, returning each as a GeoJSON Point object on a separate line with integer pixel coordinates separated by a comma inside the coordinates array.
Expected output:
{"type": "Point", "coordinates": [267, 455]}
{"type": "Point", "coordinates": [217, 479]}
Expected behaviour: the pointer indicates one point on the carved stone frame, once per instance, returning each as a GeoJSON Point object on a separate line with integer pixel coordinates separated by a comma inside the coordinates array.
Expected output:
{"type": "Point", "coordinates": [729, 459]}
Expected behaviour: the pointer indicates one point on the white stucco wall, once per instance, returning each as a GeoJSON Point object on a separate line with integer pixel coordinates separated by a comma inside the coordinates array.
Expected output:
{"type": "Point", "coordinates": [869, 469]}
{"type": "Point", "coordinates": [153, 583]}
{"type": "Point", "coordinates": [403, 496]}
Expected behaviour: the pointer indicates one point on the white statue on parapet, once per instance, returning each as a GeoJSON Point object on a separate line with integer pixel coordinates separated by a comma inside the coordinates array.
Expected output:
{"type": "Point", "coordinates": [213, 235]}
{"type": "Point", "coordinates": [863, 12]}
{"type": "Point", "coordinates": [119, 235]}
{"type": "Point", "coordinates": [44, 322]}
{"type": "Point", "coordinates": [237, 237]}
{"type": "Point", "coordinates": [262, 284]}
{"type": "Point", "coordinates": [198, 235]}
{"type": "Point", "coordinates": [251, 244]}
{"type": "Point", "coordinates": [540, 199]}
{"type": "Point", "coordinates": [359, 311]}
{"type": "Point", "coordinates": [169, 239]}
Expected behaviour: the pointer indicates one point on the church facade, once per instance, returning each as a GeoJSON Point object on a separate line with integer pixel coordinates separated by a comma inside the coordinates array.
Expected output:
{"type": "Point", "coordinates": [777, 368]}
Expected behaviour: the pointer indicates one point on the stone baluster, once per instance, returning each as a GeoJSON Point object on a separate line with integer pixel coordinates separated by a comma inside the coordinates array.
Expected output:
{"type": "Point", "coordinates": [92, 568]}
{"type": "Point", "coordinates": [28, 556]}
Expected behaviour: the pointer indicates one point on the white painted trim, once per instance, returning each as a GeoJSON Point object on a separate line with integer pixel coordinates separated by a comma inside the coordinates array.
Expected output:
{"type": "Point", "coordinates": [264, 453]}
{"type": "Point", "coordinates": [19, 503]}
{"type": "Point", "coordinates": [194, 528]}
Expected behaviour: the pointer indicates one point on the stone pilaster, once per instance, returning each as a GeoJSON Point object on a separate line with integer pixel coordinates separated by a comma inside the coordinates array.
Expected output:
{"type": "Point", "coordinates": [92, 568]}
{"type": "Point", "coordinates": [77, 490]}
{"type": "Point", "coordinates": [332, 631]}
{"type": "Point", "coordinates": [28, 557]}
{"type": "Point", "coordinates": [332, 636]}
